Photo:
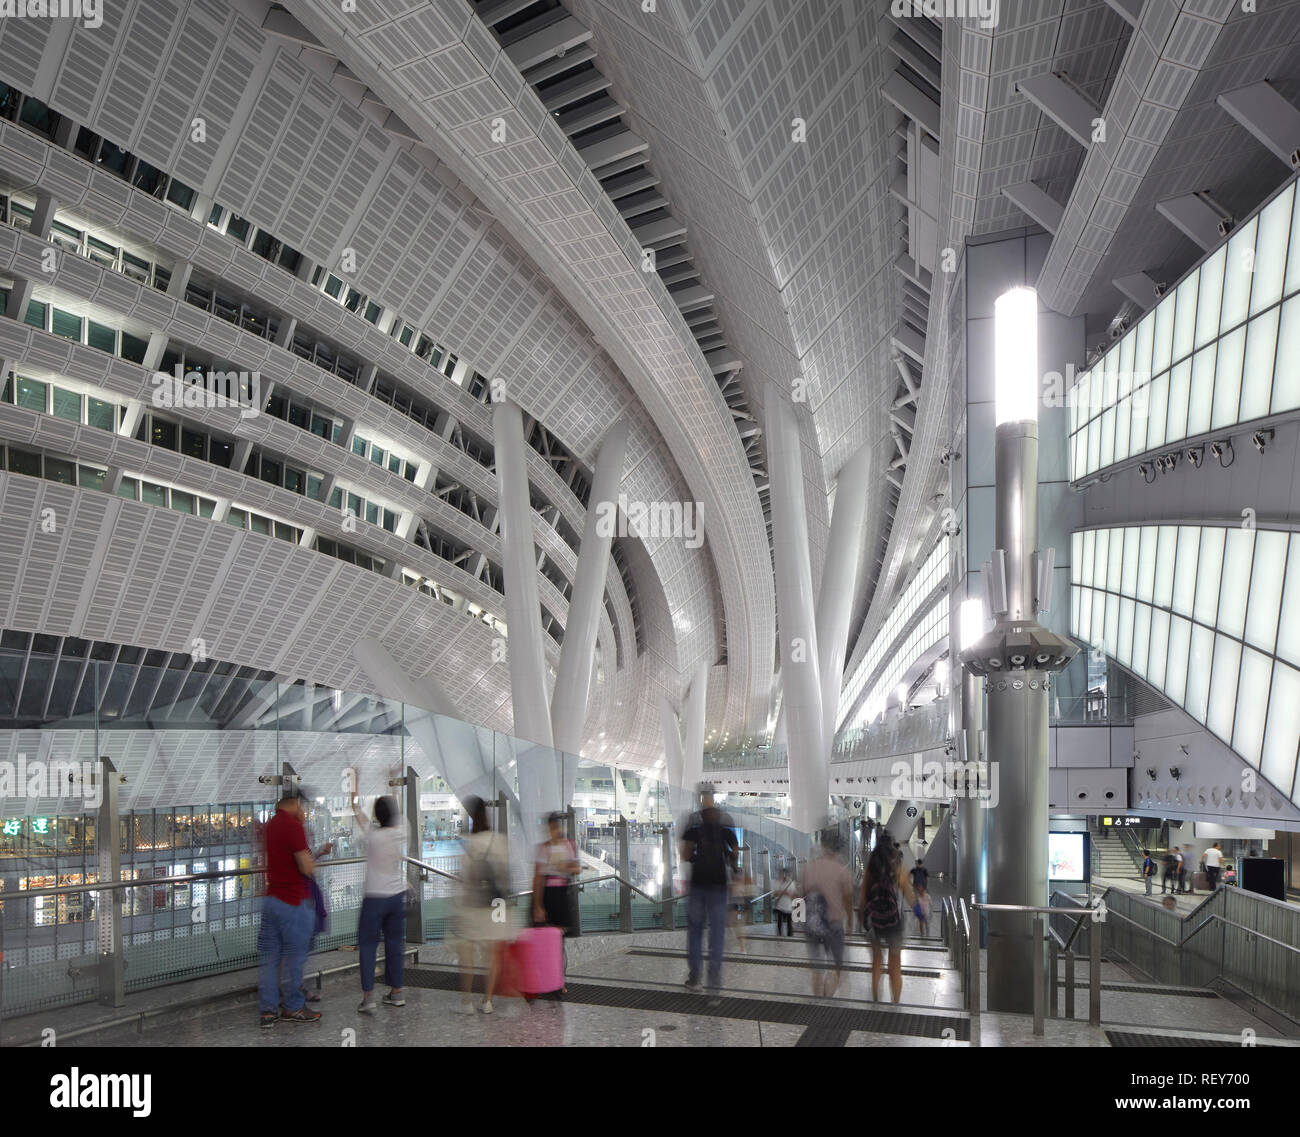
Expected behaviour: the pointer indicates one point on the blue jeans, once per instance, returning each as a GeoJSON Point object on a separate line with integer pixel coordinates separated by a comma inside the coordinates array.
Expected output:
{"type": "Point", "coordinates": [282, 939]}
{"type": "Point", "coordinates": [706, 901]}
{"type": "Point", "coordinates": [386, 915]}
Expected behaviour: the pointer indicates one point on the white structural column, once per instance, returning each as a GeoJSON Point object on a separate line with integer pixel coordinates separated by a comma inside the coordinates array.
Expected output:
{"type": "Point", "coordinates": [697, 704]}
{"type": "Point", "coordinates": [574, 681]}
{"type": "Point", "coordinates": [519, 563]}
{"type": "Point", "coordinates": [450, 744]}
{"type": "Point", "coordinates": [674, 773]}
{"type": "Point", "coordinates": [800, 674]}
{"type": "Point", "coordinates": [839, 576]}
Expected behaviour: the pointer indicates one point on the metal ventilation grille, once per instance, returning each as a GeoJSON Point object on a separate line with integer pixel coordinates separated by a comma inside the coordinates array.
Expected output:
{"type": "Point", "coordinates": [558, 60]}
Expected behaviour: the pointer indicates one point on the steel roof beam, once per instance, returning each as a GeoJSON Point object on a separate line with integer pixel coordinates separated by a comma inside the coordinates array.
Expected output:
{"type": "Point", "coordinates": [1130, 11]}
{"type": "Point", "coordinates": [1196, 217]}
{"type": "Point", "coordinates": [1036, 203]}
{"type": "Point", "coordinates": [1062, 103]}
{"type": "Point", "coordinates": [1138, 287]}
{"type": "Point", "coordinates": [1268, 116]}
{"type": "Point", "coordinates": [555, 39]}
{"type": "Point", "coordinates": [912, 101]}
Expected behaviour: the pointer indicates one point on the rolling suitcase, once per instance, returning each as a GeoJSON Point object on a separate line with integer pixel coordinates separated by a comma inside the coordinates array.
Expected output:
{"type": "Point", "coordinates": [1200, 882]}
{"type": "Point", "coordinates": [539, 961]}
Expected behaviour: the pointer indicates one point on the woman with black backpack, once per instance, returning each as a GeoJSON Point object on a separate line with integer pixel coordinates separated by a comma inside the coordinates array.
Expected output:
{"type": "Point", "coordinates": [882, 914]}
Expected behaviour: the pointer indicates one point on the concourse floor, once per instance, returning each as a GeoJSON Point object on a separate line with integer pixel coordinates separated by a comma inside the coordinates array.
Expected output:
{"type": "Point", "coordinates": [634, 996]}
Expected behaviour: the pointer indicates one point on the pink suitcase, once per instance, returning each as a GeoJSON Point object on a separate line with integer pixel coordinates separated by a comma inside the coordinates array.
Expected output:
{"type": "Point", "coordinates": [539, 961]}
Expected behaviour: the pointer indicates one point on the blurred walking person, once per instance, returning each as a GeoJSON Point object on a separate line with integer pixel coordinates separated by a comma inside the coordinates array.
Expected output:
{"type": "Point", "coordinates": [383, 909]}
{"type": "Point", "coordinates": [828, 902]}
{"type": "Point", "coordinates": [783, 903]}
{"type": "Point", "coordinates": [482, 921]}
{"type": "Point", "coordinates": [882, 915]}
{"type": "Point", "coordinates": [288, 917]}
{"type": "Point", "coordinates": [555, 865]}
{"type": "Point", "coordinates": [711, 849]}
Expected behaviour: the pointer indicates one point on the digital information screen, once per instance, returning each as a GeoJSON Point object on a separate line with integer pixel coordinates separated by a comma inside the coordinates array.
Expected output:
{"type": "Point", "coordinates": [1065, 856]}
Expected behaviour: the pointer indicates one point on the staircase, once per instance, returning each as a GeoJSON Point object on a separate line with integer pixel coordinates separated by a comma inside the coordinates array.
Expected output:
{"type": "Point", "coordinates": [1111, 857]}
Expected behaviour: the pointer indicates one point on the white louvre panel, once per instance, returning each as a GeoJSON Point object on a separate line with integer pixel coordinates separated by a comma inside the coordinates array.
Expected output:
{"type": "Point", "coordinates": [122, 98]}
{"type": "Point", "coordinates": [21, 45]}
{"type": "Point", "coordinates": [179, 96]}
{"type": "Point", "coordinates": [435, 260]}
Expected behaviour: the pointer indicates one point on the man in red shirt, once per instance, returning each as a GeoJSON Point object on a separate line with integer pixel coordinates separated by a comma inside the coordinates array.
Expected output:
{"type": "Point", "coordinates": [288, 916]}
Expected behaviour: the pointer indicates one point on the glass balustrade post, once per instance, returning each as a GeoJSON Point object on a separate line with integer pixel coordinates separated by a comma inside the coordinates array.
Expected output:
{"type": "Point", "coordinates": [669, 919]}
{"type": "Point", "coordinates": [623, 853]}
{"type": "Point", "coordinates": [112, 969]}
{"type": "Point", "coordinates": [415, 886]}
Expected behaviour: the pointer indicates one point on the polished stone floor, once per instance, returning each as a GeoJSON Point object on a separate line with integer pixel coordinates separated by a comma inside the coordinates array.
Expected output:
{"type": "Point", "coordinates": [615, 993]}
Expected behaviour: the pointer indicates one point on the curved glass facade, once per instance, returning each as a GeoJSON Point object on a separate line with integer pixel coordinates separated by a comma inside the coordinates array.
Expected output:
{"type": "Point", "coordinates": [1215, 352]}
{"type": "Point", "coordinates": [1208, 615]}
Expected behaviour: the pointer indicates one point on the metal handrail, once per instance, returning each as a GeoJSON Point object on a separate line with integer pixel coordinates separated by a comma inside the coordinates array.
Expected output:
{"type": "Point", "coordinates": [159, 881]}
{"type": "Point", "coordinates": [1150, 931]}
{"type": "Point", "coordinates": [1233, 924]}
{"type": "Point", "coordinates": [429, 868]}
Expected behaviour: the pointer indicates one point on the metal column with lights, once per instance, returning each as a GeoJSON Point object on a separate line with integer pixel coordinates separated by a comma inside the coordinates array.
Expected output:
{"type": "Point", "coordinates": [970, 809]}
{"type": "Point", "coordinates": [1016, 660]}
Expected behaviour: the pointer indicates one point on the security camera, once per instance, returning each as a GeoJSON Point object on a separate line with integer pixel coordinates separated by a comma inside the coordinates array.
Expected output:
{"type": "Point", "coordinates": [1196, 455]}
{"type": "Point", "coordinates": [1175, 773]}
{"type": "Point", "coordinates": [1261, 438]}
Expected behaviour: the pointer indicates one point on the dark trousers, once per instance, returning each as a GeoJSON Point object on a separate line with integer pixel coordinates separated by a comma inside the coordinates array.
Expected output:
{"type": "Point", "coordinates": [1165, 881]}
{"type": "Point", "coordinates": [1212, 876]}
{"type": "Point", "coordinates": [1182, 880]}
{"type": "Point", "coordinates": [386, 916]}
{"type": "Point", "coordinates": [557, 904]}
{"type": "Point", "coordinates": [786, 919]}
{"type": "Point", "coordinates": [706, 903]}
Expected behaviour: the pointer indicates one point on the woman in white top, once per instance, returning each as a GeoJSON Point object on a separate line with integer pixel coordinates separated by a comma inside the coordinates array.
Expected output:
{"type": "Point", "coordinates": [785, 892]}
{"type": "Point", "coordinates": [383, 911]}
{"type": "Point", "coordinates": [482, 918]}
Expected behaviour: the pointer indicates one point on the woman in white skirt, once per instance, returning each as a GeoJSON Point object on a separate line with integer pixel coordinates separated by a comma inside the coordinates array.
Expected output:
{"type": "Point", "coordinates": [482, 916]}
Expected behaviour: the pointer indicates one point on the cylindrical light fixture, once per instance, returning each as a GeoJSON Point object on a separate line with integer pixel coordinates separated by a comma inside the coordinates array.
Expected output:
{"type": "Point", "coordinates": [1015, 356]}
{"type": "Point", "coordinates": [940, 672]}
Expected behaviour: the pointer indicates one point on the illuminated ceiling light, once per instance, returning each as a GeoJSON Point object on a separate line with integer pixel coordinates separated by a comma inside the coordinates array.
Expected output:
{"type": "Point", "coordinates": [1015, 352]}
{"type": "Point", "coordinates": [971, 624]}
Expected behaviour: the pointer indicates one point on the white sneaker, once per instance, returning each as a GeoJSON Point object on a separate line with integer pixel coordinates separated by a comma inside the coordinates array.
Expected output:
{"type": "Point", "coordinates": [486, 1008]}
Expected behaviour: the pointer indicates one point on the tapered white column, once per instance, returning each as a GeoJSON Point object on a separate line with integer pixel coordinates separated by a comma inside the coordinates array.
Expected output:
{"type": "Point", "coordinates": [796, 623]}
{"type": "Point", "coordinates": [839, 577]}
{"type": "Point", "coordinates": [452, 747]}
{"type": "Point", "coordinates": [572, 684]}
{"type": "Point", "coordinates": [532, 712]}
{"type": "Point", "coordinates": [674, 773]}
{"type": "Point", "coordinates": [697, 705]}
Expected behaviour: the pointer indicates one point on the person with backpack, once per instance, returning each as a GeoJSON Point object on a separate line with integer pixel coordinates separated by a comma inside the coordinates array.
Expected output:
{"type": "Point", "coordinates": [828, 899]}
{"type": "Point", "coordinates": [711, 849]}
{"type": "Point", "coordinates": [1170, 873]}
{"type": "Point", "coordinates": [1182, 869]}
{"type": "Point", "coordinates": [480, 918]}
{"type": "Point", "coordinates": [882, 915]}
{"type": "Point", "coordinates": [920, 876]}
{"type": "Point", "coordinates": [1148, 869]}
